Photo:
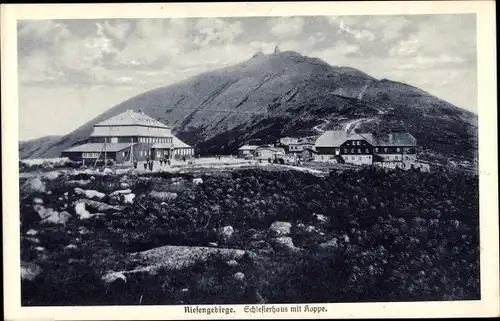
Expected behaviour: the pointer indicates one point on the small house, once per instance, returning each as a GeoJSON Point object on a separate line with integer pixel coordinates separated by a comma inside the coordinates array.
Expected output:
{"type": "Point", "coordinates": [247, 150]}
{"type": "Point", "coordinates": [285, 141]}
{"type": "Point", "coordinates": [265, 152]}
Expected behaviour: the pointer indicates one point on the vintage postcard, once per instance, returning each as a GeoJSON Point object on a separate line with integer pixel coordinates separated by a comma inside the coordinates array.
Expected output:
{"type": "Point", "coordinates": [250, 160]}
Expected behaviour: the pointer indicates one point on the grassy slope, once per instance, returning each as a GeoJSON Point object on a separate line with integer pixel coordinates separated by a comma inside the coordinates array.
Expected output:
{"type": "Point", "coordinates": [410, 236]}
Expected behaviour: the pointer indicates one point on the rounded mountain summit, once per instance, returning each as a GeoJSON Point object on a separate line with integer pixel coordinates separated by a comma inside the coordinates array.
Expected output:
{"type": "Point", "coordinates": [283, 94]}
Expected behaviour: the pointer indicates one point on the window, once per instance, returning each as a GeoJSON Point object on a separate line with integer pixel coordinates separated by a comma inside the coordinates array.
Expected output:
{"type": "Point", "coordinates": [367, 151]}
{"type": "Point", "coordinates": [359, 150]}
{"type": "Point", "coordinates": [141, 153]}
{"type": "Point", "coordinates": [352, 150]}
{"type": "Point", "coordinates": [385, 149]}
{"type": "Point", "coordinates": [398, 149]}
{"type": "Point", "coordinates": [376, 149]}
{"type": "Point", "coordinates": [90, 155]}
{"type": "Point", "coordinates": [123, 154]}
{"type": "Point", "coordinates": [345, 150]}
{"type": "Point", "coordinates": [359, 158]}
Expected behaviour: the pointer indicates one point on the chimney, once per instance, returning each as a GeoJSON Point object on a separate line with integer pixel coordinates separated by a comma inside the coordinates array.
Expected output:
{"type": "Point", "coordinates": [277, 49]}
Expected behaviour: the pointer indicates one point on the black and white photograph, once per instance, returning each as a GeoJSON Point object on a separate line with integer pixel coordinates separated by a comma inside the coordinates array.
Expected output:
{"type": "Point", "coordinates": [285, 162]}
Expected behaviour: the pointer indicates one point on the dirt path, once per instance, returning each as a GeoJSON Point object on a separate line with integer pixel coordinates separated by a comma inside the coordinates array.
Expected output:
{"type": "Point", "coordinates": [353, 124]}
{"type": "Point", "coordinates": [319, 128]}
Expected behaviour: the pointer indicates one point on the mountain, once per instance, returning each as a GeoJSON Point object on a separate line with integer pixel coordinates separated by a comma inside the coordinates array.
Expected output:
{"type": "Point", "coordinates": [36, 148]}
{"type": "Point", "coordinates": [285, 93]}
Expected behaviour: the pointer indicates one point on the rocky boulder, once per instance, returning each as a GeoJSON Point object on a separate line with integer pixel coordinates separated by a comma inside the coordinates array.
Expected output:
{"type": "Point", "coordinates": [321, 218]}
{"type": "Point", "coordinates": [239, 276]}
{"type": "Point", "coordinates": [82, 212]}
{"type": "Point", "coordinates": [280, 228]}
{"type": "Point", "coordinates": [112, 277]}
{"type": "Point", "coordinates": [89, 193]}
{"type": "Point", "coordinates": [163, 196]}
{"type": "Point", "coordinates": [51, 175]}
{"type": "Point", "coordinates": [34, 185]}
{"type": "Point", "coordinates": [30, 271]}
{"type": "Point", "coordinates": [80, 182]}
{"type": "Point", "coordinates": [120, 192]}
{"type": "Point", "coordinates": [232, 263]}
{"type": "Point", "coordinates": [225, 233]}
{"type": "Point", "coordinates": [128, 198]}
{"type": "Point", "coordinates": [56, 218]}
{"type": "Point", "coordinates": [100, 206]}
{"type": "Point", "coordinates": [180, 257]}
{"type": "Point", "coordinates": [329, 246]}
{"type": "Point", "coordinates": [285, 243]}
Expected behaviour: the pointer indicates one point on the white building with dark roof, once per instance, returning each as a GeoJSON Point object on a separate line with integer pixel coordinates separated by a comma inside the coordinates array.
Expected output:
{"type": "Point", "coordinates": [366, 149]}
{"type": "Point", "coordinates": [247, 150]}
{"type": "Point", "coordinates": [130, 136]}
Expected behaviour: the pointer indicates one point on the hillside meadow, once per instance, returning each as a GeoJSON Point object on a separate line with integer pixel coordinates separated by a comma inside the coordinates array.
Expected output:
{"type": "Point", "coordinates": [253, 235]}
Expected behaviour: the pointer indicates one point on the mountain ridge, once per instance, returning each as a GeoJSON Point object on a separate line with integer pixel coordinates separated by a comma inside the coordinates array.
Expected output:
{"type": "Point", "coordinates": [283, 93]}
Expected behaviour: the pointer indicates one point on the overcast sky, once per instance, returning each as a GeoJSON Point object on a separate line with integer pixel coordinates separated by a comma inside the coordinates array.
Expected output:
{"type": "Point", "coordinates": [72, 70]}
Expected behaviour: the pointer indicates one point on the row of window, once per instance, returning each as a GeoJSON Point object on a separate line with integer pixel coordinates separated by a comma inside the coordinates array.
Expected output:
{"type": "Point", "coordinates": [356, 143]}
{"type": "Point", "coordinates": [358, 158]}
{"type": "Point", "coordinates": [155, 139]}
{"type": "Point", "coordinates": [398, 150]}
{"type": "Point", "coordinates": [90, 155]}
{"type": "Point", "coordinates": [184, 151]}
{"type": "Point", "coordinates": [297, 147]}
{"type": "Point", "coordinates": [377, 149]}
{"type": "Point", "coordinates": [359, 151]}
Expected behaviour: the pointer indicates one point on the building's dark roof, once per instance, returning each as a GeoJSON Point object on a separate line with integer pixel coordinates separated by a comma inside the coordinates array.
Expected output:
{"type": "Point", "coordinates": [335, 138]}
{"type": "Point", "coordinates": [97, 147]}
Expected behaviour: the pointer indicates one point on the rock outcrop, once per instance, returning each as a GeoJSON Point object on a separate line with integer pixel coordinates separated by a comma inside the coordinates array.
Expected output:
{"type": "Point", "coordinates": [29, 271]}
{"type": "Point", "coordinates": [280, 228]}
{"type": "Point", "coordinates": [180, 257]}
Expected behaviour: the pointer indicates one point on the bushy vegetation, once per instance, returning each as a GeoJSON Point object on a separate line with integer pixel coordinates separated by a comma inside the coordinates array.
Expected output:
{"type": "Point", "coordinates": [399, 235]}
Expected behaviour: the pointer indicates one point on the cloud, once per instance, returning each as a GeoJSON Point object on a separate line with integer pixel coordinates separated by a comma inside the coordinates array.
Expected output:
{"type": "Point", "coordinates": [337, 55]}
{"type": "Point", "coordinates": [405, 47]}
{"type": "Point", "coordinates": [116, 30]}
{"type": "Point", "coordinates": [387, 28]}
{"type": "Point", "coordinates": [358, 34]}
{"type": "Point", "coordinates": [152, 44]}
{"type": "Point", "coordinates": [217, 31]}
{"type": "Point", "coordinates": [286, 27]}
{"type": "Point", "coordinates": [148, 53]}
{"type": "Point", "coordinates": [48, 30]}
{"type": "Point", "coordinates": [427, 62]}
